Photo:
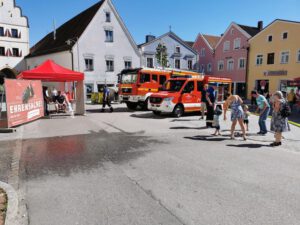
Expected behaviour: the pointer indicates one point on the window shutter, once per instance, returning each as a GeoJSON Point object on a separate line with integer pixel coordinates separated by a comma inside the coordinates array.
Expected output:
{"type": "Point", "coordinates": [20, 54]}
{"type": "Point", "coordinates": [19, 36]}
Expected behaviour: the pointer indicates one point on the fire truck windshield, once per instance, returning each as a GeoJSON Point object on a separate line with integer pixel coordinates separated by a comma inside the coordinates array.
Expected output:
{"type": "Point", "coordinates": [129, 78]}
{"type": "Point", "coordinates": [173, 85]}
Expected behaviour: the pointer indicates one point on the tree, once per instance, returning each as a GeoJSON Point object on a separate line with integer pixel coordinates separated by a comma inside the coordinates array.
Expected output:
{"type": "Point", "coordinates": [162, 55]}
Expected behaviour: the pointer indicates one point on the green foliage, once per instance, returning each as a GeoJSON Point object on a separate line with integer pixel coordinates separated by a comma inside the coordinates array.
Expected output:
{"type": "Point", "coordinates": [162, 55]}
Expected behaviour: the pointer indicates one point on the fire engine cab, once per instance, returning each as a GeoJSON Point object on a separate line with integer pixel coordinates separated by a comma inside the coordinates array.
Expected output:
{"type": "Point", "coordinates": [136, 85]}
{"type": "Point", "coordinates": [183, 94]}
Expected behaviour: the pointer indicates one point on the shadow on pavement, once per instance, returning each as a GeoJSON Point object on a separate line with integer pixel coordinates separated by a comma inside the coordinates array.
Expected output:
{"type": "Point", "coordinates": [188, 128]}
{"type": "Point", "coordinates": [119, 110]}
{"type": "Point", "coordinates": [207, 138]}
{"type": "Point", "coordinates": [148, 116]}
{"type": "Point", "coordinates": [248, 145]}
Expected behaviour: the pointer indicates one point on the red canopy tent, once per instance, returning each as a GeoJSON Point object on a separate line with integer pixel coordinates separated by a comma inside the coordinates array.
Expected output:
{"type": "Point", "coordinates": [49, 71]}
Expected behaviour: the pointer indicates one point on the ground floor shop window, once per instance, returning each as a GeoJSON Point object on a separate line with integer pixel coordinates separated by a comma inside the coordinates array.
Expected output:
{"type": "Point", "coordinates": [240, 89]}
{"type": "Point", "coordinates": [89, 88]}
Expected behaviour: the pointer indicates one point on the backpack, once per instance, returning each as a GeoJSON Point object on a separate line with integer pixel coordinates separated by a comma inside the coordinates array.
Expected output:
{"type": "Point", "coordinates": [286, 110]}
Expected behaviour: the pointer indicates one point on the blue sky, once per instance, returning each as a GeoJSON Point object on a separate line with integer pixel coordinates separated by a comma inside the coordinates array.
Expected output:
{"type": "Point", "coordinates": [187, 17]}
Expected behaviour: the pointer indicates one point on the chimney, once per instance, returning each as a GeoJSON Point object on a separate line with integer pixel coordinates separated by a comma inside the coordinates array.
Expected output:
{"type": "Point", "coordinates": [260, 25]}
{"type": "Point", "coordinates": [150, 38]}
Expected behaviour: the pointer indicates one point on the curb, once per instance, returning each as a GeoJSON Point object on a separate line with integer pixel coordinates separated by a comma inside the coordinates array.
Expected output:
{"type": "Point", "coordinates": [12, 203]}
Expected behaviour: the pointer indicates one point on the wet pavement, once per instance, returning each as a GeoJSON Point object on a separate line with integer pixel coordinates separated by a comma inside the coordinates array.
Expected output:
{"type": "Point", "coordinates": [137, 168]}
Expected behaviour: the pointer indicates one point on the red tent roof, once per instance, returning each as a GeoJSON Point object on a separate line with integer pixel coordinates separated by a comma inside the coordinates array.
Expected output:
{"type": "Point", "coordinates": [50, 71]}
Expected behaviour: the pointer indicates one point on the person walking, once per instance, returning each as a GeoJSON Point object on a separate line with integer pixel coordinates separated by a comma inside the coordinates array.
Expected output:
{"type": "Point", "coordinates": [203, 101]}
{"type": "Point", "coordinates": [210, 105]}
{"type": "Point", "coordinates": [279, 122]}
{"type": "Point", "coordinates": [291, 97]}
{"type": "Point", "coordinates": [106, 99]}
{"type": "Point", "coordinates": [237, 114]}
{"type": "Point", "coordinates": [263, 109]}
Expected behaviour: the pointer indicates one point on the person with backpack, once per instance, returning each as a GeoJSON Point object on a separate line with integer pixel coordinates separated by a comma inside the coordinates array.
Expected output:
{"type": "Point", "coordinates": [106, 99]}
{"type": "Point", "coordinates": [279, 122]}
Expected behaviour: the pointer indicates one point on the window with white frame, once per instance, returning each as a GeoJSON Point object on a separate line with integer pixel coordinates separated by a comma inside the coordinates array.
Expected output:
{"type": "Point", "coordinates": [209, 67]}
{"type": "Point", "coordinates": [298, 56]}
{"type": "Point", "coordinates": [15, 52]}
{"type": "Point", "coordinates": [109, 65]}
{"type": "Point", "coordinates": [285, 57]}
{"type": "Point", "coordinates": [128, 64]}
{"type": "Point", "coordinates": [107, 17]}
{"type": "Point", "coordinates": [177, 63]}
{"type": "Point", "coordinates": [150, 63]}
{"type": "Point", "coordinates": [14, 33]}
{"type": "Point", "coordinates": [89, 64]}
{"type": "Point", "coordinates": [237, 43]}
{"type": "Point", "coordinates": [1, 31]}
{"type": "Point", "coordinates": [232, 31]}
{"type": "Point", "coordinates": [259, 60]}
{"type": "Point", "coordinates": [226, 46]}
{"type": "Point", "coordinates": [177, 49]}
{"type": "Point", "coordinates": [190, 64]}
{"type": "Point", "coordinates": [2, 51]}
{"type": "Point", "coordinates": [220, 65]}
{"type": "Point", "coordinates": [109, 36]}
{"type": "Point", "coordinates": [202, 52]}
{"type": "Point", "coordinates": [242, 63]}
{"type": "Point", "coordinates": [230, 65]}
{"type": "Point", "coordinates": [202, 68]}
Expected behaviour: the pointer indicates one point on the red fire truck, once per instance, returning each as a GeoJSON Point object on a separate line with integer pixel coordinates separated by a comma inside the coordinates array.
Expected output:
{"type": "Point", "coordinates": [183, 94]}
{"type": "Point", "coordinates": [136, 85]}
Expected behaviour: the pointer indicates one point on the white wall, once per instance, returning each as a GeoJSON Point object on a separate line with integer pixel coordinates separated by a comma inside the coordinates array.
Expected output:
{"type": "Point", "coordinates": [171, 44]}
{"type": "Point", "coordinates": [92, 45]}
{"type": "Point", "coordinates": [11, 17]}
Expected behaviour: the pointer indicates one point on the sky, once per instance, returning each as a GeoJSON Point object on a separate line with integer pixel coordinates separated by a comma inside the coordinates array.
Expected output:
{"type": "Point", "coordinates": [187, 18]}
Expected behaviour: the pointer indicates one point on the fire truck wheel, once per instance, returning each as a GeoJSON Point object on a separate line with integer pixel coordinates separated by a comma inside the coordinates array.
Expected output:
{"type": "Point", "coordinates": [145, 105]}
{"type": "Point", "coordinates": [157, 113]}
{"type": "Point", "coordinates": [178, 111]}
{"type": "Point", "coordinates": [131, 105]}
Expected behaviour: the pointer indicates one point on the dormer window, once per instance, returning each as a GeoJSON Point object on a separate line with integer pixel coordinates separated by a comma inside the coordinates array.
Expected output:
{"type": "Point", "coordinates": [107, 17]}
{"type": "Point", "coordinates": [177, 50]}
{"type": "Point", "coordinates": [14, 33]}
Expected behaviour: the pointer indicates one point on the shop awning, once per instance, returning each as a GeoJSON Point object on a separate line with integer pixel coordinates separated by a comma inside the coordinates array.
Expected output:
{"type": "Point", "coordinates": [51, 72]}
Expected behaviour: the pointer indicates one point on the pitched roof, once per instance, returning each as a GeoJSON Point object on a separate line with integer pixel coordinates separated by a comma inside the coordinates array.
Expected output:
{"type": "Point", "coordinates": [252, 31]}
{"type": "Point", "coordinates": [71, 29]}
{"type": "Point", "coordinates": [190, 43]}
{"type": "Point", "coordinates": [212, 40]}
{"type": "Point", "coordinates": [171, 34]}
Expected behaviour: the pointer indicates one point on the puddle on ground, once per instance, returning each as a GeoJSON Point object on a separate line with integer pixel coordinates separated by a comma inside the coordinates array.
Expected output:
{"type": "Point", "coordinates": [70, 154]}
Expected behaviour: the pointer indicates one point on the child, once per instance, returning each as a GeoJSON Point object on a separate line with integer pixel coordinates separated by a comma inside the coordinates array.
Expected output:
{"type": "Point", "coordinates": [246, 116]}
{"type": "Point", "coordinates": [216, 123]}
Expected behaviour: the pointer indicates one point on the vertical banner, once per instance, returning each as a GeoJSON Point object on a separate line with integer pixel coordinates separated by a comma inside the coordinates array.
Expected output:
{"type": "Point", "coordinates": [24, 101]}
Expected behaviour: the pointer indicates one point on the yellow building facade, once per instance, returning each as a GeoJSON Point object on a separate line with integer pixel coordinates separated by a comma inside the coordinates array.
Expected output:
{"type": "Point", "coordinates": [274, 57]}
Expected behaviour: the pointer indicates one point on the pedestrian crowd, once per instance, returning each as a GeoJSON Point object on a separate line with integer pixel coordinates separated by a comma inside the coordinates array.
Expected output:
{"type": "Point", "coordinates": [280, 106]}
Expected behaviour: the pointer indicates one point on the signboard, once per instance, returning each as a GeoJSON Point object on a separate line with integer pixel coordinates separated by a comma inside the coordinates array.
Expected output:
{"type": "Point", "coordinates": [24, 101]}
{"type": "Point", "coordinates": [276, 73]}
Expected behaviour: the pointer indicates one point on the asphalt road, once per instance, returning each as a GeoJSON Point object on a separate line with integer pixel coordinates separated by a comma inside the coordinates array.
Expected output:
{"type": "Point", "coordinates": [136, 168]}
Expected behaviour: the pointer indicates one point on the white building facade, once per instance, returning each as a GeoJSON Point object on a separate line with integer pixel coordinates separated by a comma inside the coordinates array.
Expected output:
{"type": "Point", "coordinates": [95, 42]}
{"type": "Point", "coordinates": [181, 55]}
{"type": "Point", "coordinates": [14, 39]}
